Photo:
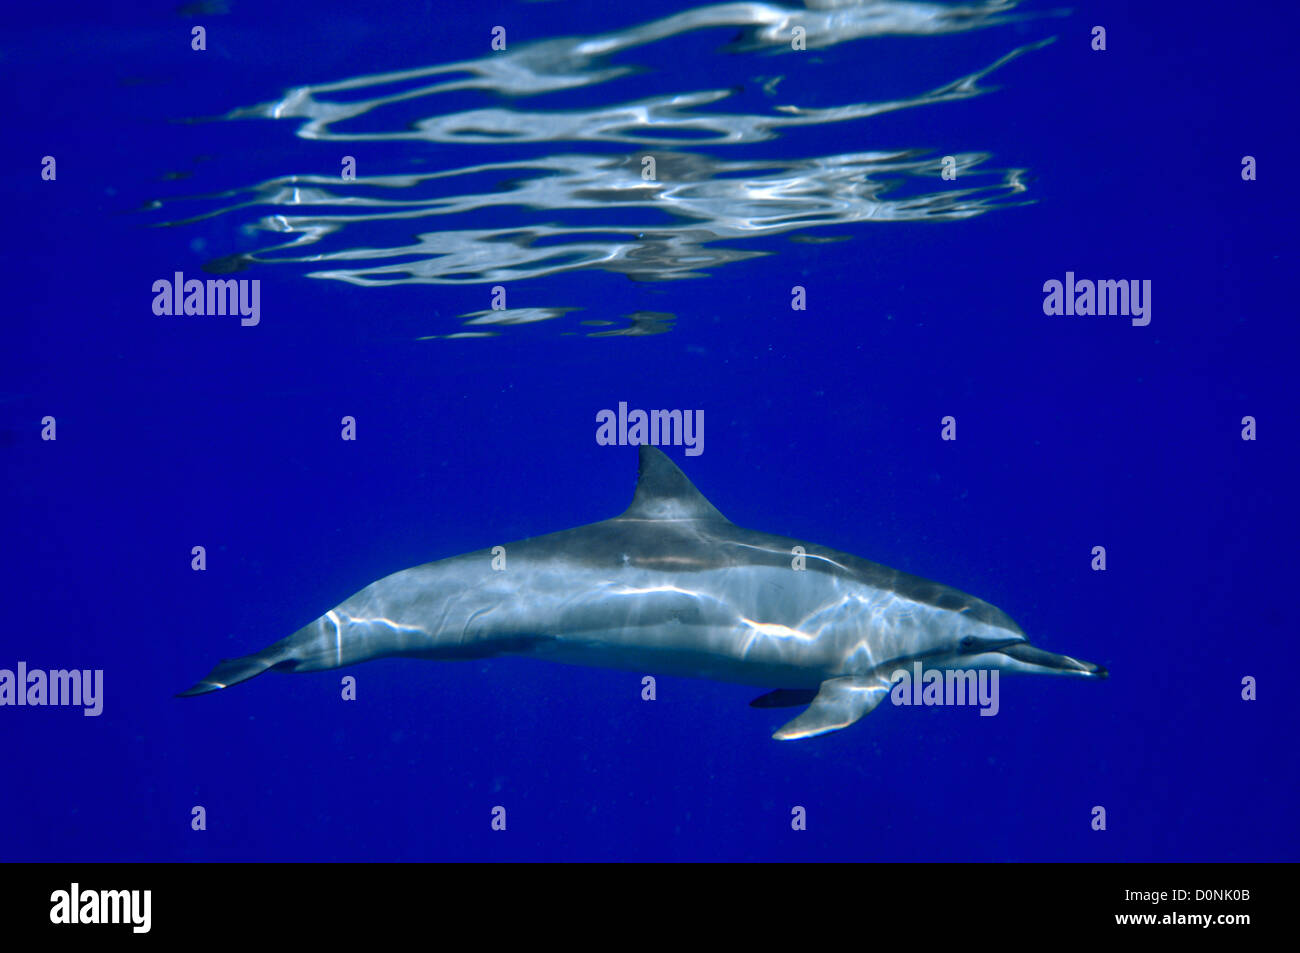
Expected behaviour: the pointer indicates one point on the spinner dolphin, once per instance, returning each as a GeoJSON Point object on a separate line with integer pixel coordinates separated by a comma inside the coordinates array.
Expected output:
{"type": "Point", "coordinates": [672, 587]}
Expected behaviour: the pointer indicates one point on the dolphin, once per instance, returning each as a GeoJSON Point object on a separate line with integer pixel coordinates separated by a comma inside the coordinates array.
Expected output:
{"type": "Point", "coordinates": [672, 587]}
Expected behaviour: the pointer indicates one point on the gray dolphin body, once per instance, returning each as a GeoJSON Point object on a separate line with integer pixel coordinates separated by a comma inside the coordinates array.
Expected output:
{"type": "Point", "coordinates": [672, 587]}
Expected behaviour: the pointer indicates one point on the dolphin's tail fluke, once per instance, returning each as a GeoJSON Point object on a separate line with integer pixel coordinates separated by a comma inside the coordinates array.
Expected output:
{"type": "Point", "coordinates": [232, 671]}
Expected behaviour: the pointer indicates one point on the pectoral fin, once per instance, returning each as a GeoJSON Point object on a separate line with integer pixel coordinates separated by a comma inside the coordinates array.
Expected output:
{"type": "Point", "coordinates": [839, 703]}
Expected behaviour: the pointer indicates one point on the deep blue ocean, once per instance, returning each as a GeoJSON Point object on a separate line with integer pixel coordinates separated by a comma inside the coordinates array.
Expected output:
{"type": "Point", "coordinates": [523, 169]}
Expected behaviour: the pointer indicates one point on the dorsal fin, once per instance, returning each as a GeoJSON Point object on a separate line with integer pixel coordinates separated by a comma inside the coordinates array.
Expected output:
{"type": "Point", "coordinates": [664, 493]}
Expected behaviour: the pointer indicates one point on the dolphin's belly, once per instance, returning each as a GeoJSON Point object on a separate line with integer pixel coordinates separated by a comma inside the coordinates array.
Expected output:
{"type": "Point", "coordinates": [683, 654]}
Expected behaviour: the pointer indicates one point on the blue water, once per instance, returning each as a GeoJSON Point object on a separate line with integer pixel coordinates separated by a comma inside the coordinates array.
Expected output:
{"type": "Point", "coordinates": [821, 424]}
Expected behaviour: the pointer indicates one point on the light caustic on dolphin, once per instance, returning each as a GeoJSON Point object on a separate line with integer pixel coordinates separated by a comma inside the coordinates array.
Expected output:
{"type": "Point", "coordinates": [672, 587]}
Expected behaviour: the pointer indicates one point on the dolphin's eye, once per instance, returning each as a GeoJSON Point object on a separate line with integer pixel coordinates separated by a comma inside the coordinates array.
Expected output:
{"type": "Point", "coordinates": [968, 642]}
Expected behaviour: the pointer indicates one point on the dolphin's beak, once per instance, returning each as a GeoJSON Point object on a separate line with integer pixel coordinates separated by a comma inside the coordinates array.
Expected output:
{"type": "Point", "coordinates": [1033, 659]}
